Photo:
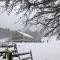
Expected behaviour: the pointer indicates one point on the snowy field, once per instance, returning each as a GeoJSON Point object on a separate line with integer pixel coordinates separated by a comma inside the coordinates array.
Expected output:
{"type": "Point", "coordinates": [40, 51]}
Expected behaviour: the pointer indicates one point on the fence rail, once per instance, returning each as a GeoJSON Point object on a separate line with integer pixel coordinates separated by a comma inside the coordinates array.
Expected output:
{"type": "Point", "coordinates": [14, 53]}
{"type": "Point", "coordinates": [7, 46]}
{"type": "Point", "coordinates": [17, 54]}
{"type": "Point", "coordinates": [1, 52]}
{"type": "Point", "coordinates": [25, 53]}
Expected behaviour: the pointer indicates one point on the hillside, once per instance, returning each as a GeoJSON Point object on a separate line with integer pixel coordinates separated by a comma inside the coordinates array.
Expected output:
{"type": "Point", "coordinates": [4, 33]}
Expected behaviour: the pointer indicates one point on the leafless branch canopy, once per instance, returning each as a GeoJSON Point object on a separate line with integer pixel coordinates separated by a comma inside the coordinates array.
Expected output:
{"type": "Point", "coordinates": [37, 12]}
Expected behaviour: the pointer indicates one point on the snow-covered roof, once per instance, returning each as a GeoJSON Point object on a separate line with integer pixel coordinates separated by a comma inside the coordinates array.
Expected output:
{"type": "Point", "coordinates": [27, 35]}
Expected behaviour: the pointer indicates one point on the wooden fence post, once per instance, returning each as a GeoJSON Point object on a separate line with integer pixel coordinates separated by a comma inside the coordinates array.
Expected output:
{"type": "Point", "coordinates": [31, 55]}
{"type": "Point", "coordinates": [15, 47]}
{"type": "Point", "coordinates": [10, 56]}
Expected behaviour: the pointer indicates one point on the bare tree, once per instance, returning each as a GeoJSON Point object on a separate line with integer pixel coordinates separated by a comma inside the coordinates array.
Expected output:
{"type": "Point", "coordinates": [37, 12]}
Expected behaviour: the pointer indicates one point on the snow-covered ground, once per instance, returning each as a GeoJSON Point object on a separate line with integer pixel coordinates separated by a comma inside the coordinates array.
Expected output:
{"type": "Point", "coordinates": [41, 51]}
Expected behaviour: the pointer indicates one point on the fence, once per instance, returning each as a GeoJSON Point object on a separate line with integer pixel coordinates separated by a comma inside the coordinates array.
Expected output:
{"type": "Point", "coordinates": [21, 54]}
{"type": "Point", "coordinates": [3, 53]}
{"type": "Point", "coordinates": [14, 53]}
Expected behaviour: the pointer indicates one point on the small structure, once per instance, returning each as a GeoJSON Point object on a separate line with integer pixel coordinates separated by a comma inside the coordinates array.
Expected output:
{"type": "Point", "coordinates": [26, 37]}
{"type": "Point", "coordinates": [18, 36]}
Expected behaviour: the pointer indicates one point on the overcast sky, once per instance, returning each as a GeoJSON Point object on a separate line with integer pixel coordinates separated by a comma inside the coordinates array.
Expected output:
{"type": "Point", "coordinates": [8, 21]}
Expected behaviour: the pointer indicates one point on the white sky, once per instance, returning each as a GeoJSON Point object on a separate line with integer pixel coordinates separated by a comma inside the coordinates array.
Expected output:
{"type": "Point", "coordinates": [8, 21]}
